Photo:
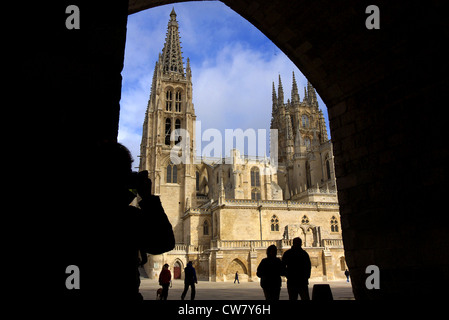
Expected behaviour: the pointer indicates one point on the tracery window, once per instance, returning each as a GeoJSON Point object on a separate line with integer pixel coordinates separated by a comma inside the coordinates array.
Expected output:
{"type": "Point", "coordinates": [334, 224]}
{"type": "Point", "coordinates": [274, 223]}
{"type": "Point", "coordinates": [305, 220]}
{"type": "Point", "coordinates": [172, 173]}
{"type": "Point", "coordinates": [178, 99]}
{"type": "Point", "coordinates": [168, 100]}
{"type": "Point", "coordinates": [255, 183]}
{"type": "Point", "coordinates": [255, 177]}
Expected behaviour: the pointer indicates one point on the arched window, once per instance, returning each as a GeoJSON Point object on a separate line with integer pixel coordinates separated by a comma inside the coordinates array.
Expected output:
{"type": "Point", "coordinates": [305, 121]}
{"type": "Point", "coordinates": [172, 173]}
{"type": "Point", "coordinates": [274, 223]}
{"type": "Point", "coordinates": [167, 131]}
{"type": "Point", "coordinates": [168, 100]}
{"type": "Point", "coordinates": [178, 99]}
{"type": "Point", "coordinates": [255, 183]}
{"type": "Point", "coordinates": [334, 224]}
{"type": "Point", "coordinates": [328, 167]}
{"type": "Point", "coordinates": [255, 194]}
{"type": "Point", "coordinates": [177, 131]}
{"type": "Point", "coordinates": [255, 177]}
{"type": "Point", "coordinates": [305, 220]}
{"type": "Point", "coordinates": [206, 228]}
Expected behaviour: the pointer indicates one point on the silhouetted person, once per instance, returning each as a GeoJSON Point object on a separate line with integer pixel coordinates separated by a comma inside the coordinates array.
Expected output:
{"type": "Point", "coordinates": [236, 278]}
{"type": "Point", "coordinates": [109, 233]}
{"type": "Point", "coordinates": [298, 267]}
{"type": "Point", "coordinates": [189, 280]}
{"type": "Point", "coordinates": [347, 275]}
{"type": "Point", "coordinates": [270, 271]}
{"type": "Point", "coordinates": [164, 281]}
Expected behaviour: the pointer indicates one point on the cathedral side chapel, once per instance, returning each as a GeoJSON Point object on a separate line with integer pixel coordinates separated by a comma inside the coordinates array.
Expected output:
{"type": "Point", "coordinates": [226, 212]}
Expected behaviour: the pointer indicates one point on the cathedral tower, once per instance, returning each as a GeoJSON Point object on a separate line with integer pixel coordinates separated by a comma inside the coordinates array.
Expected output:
{"type": "Point", "coordinates": [305, 152]}
{"type": "Point", "coordinates": [169, 109]}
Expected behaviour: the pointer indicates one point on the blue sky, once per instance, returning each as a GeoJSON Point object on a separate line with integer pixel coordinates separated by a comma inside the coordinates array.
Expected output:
{"type": "Point", "coordinates": [233, 66]}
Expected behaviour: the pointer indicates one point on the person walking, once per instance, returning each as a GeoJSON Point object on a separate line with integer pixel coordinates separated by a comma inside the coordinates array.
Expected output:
{"type": "Point", "coordinates": [189, 280]}
{"type": "Point", "coordinates": [270, 271]}
{"type": "Point", "coordinates": [236, 278]}
{"type": "Point", "coordinates": [164, 281]}
{"type": "Point", "coordinates": [298, 267]}
{"type": "Point", "coordinates": [347, 275]}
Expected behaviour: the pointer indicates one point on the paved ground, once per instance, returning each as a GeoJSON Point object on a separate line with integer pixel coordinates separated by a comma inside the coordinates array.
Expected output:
{"type": "Point", "coordinates": [341, 290]}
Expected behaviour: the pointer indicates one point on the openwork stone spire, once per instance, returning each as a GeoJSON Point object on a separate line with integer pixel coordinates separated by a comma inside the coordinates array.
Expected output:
{"type": "Point", "coordinates": [171, 54]}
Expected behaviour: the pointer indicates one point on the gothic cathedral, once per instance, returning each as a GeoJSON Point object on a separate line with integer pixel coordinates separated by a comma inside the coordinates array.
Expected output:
{"type": "Point", "coordinates": [226, 212]}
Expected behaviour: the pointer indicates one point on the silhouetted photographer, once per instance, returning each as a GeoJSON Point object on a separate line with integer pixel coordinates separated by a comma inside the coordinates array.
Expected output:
{"type": "Point", "coordinates": [115, 237]}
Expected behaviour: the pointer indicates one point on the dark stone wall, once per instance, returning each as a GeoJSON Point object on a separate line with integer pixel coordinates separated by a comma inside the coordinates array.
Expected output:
{"type": "Point", "coordinates": [385, 90]}
{"type": "Point", "coordinates": [69, 89]}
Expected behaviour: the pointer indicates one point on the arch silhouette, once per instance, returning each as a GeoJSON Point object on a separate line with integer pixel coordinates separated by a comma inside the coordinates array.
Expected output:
{"type": "Point", "coordinates": [373, 90]}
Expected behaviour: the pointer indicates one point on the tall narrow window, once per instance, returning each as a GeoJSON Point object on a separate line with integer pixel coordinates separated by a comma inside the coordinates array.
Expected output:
{"type": "Point", "coordinates": [168, 100]}
{"type": "Point", "coordinates": [255, 177]}
{"type": "Point", "coordinates": [177, 131]}
{"type": "Point", "coordinates": [169, 174]}
{"type": "Point", "coordinates": [197, 181]}
{"type": "Point", "coordinates": [178, 101]}
{"type": "Point", "coordinates": [255, 183]}
{"type": "Point", "coordinates": [172, 173]}
{"type": "Point", "coordinates": [167, 131]}
{"type": "Point", "coordinates": [205, 228]}
{"type": "Point", "coordinates": [328, 167]}
{"type": "Point", "coordinates": [175, 174]}
{"type": "Point", "coordinates": [305, 121]}
{"type": "Point", "coordinates": [274, 223]}
{"type": "Point", "coordinates": [334, 224]}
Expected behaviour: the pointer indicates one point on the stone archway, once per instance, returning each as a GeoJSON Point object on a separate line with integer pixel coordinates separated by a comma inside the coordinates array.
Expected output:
{"type": "Point", "coordinates": [177, 269]}
{"type": "Point", "coordinates": [385, 97]}
{"type": "Point", "coordinates": [236, 265]}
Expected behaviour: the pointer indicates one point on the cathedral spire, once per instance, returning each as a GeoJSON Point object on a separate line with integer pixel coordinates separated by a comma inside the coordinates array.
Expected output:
{"type": "Point", "coordinates": [295, 94]}
{"type": "Point", "coordinates": [280, 92]}
{"type": "Point", "coordinates": [171, 53]}
{"type": "Point", "coordinates": [311, 95]}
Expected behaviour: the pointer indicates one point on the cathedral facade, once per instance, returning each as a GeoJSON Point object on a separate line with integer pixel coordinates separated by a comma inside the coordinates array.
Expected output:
{"type": "Point", "coordinates": [225, 212]}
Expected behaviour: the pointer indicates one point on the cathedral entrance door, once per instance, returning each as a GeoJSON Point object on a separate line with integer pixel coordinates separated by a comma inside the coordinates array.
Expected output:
{"type": "Point", "coordinates": [177, 271]}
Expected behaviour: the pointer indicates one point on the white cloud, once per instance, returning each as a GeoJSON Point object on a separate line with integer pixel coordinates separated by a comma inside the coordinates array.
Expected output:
{"type": "Point", "coordinates": [235, 90]}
